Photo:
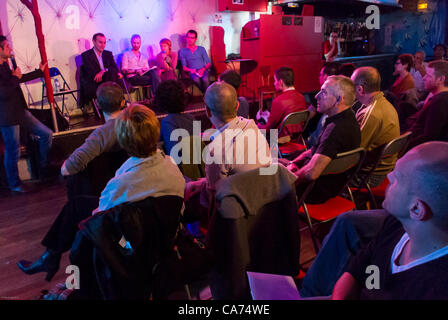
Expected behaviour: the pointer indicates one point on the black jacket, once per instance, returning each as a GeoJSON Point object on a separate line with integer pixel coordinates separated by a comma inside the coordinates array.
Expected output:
{"type": "Point", "coordinates": [12, 101]}
{"type": "Point", "coordinates": [110, 271]}
{"type": "Point", "coordinates": [255, 228]}
{"type": "Point", "coordinates": [89, 69]}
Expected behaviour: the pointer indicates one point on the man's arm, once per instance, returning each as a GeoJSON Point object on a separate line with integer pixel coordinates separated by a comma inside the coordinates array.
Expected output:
{"type": "Point", "coordinates": [314, 168]}
{"type": "Point", "coordinates": [346, 288]}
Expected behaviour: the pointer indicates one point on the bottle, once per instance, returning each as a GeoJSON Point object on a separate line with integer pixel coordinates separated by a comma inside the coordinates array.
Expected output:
{"type": "Point", "coordinates": [57, 86]}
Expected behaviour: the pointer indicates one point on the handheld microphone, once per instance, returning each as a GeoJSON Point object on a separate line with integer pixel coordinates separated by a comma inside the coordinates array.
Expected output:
{"type": "Point", "coordinates": [14, 63]}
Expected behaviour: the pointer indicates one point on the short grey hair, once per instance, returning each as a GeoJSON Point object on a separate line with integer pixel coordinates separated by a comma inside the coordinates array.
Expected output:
{"type": "Point", "coordinates": [343, 87]}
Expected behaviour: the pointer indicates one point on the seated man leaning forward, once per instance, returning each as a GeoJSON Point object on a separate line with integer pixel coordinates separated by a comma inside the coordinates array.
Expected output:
{"type": "Point", "coordinates": [134, 65]}
{"type": "Point", "coordinates": [408, 258]}
{"type": "Point", "coordinates": [341, 133]}
{"type": "Point", "coordinates": [289, 100]}
{"type": "Point", "coordinates": [103, 139]}
{"type": "Point", "coordinates": [147, 173]}
{"type": "Point", "coordinates": [237, 145]}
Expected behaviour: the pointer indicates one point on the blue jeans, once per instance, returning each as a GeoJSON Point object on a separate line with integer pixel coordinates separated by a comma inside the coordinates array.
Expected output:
{"type": "Point", "coordinates": [202, 82]}
{"type": "Point", "coordinates": [11, 138]}
{"type": "Point", "coordinates": [351, 231]}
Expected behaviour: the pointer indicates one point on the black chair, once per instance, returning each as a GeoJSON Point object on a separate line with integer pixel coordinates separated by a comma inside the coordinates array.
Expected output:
{"type": "Point", "coordinates": [292, 148]}
{"type": "Point", "coordinates": [253, 226]}
{"type": "Point", "coordinates": [313, 214]}
{"type": "Point", "coordinates": [395, 147]}
{"type": "Point", "coordinates": [117, 249]}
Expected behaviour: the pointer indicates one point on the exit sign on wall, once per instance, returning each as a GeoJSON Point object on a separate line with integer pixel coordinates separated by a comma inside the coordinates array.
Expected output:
{"type": "Point", "coordinates": [243, 5]}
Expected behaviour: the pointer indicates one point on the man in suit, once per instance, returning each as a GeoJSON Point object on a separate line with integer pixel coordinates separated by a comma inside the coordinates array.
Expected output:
{"type": "Point", "coordinates": [14, 114]}
{"type": "Point", "coordinates": [98, 66]}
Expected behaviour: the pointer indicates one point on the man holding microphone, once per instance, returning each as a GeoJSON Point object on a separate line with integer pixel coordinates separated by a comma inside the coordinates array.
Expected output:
{"type": "Point", "coordinates": [14, 114]}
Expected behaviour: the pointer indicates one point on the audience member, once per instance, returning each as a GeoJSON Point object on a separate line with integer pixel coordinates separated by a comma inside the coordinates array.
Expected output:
{"type": "Point", "coordinates": [237, 145]}
{"type": "Point", "coordinates": [403, 89]}
{"type": "Point", "coordinates": [341, 133]}
{"type": "Point", "coordinates": [418, 72]}
{"type": "Point", "coordinates": [290, 100]}
{"type": "Point", "coordinates": [135, 66]}
{"type": "Point", "coordinates": [98, 66]}
{"type": "Point", "coordinates": [147, 173]}
{"type": "Point", "coordinates": [347, 69]}
{"type": "Point", "coordinates": [431, 122]}
{"type": "Point", "coordinates": [379, 124]}
{"type": "Point", "coordinates": [171, 98]}
{"type": "Point", "coordinates": [103, 139]}
{"type": "Point", "coordinates": [439, 52]}
{"type": "Point", "coordinates": [15, 114]}
{"type": "Point", "coordinates": [167, 61]}
{"type": "Point", "coordinates": [195, 60]}
{"type": "Point", "coordinates": [234, 79]}
{"type": "Point", "coordinates": [329, 69]}
{"type": "Point", "coordinates": [410, 250]}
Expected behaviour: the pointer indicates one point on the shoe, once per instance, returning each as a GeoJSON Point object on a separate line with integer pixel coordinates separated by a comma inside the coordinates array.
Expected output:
{"type": "Point", "coordinates": [48, 262]}
{"type": "Point", "coordinates": [21, 188]}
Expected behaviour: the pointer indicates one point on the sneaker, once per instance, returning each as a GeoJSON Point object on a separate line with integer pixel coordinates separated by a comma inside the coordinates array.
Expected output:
{"type": "Point", "coordinates": [21, 188]}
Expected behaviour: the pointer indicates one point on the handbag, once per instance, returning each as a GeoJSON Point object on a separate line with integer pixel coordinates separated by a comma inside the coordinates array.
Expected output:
{"type": "Point", "coordinates": [188, 260]}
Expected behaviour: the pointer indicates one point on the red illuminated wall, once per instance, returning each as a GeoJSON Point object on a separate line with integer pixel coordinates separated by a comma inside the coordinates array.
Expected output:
{"type": "Point", "coordinates": [273, 42]}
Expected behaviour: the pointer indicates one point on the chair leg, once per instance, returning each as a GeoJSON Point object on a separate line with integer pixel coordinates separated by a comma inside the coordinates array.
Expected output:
{"type": "Point", "coordinates": [372, 197]}
{"type": "Point", "coordinates": [310, 227]}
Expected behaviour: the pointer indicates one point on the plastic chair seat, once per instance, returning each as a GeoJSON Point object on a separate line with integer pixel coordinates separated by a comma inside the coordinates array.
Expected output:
{"type": "Point", "coordinates": [379, 191]}
{"type": "Point", "coordinates": [328, 210]}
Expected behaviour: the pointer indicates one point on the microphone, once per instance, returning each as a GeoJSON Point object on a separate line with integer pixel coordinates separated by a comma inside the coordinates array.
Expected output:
{"type": "Point", "coordinates": [14, 63]}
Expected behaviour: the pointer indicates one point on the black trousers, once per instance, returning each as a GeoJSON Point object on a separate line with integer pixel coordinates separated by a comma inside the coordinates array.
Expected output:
{"type": "Point", "coordinates": [62, 233]}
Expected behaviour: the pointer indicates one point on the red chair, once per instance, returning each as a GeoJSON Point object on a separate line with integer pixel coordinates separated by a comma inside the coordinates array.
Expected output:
{"type": "Point", "coordinates": [290, 148]}
{"type": "Point", "coordinates": [314, 214]}
{"type": "Point", "coordinates": [396, 146]}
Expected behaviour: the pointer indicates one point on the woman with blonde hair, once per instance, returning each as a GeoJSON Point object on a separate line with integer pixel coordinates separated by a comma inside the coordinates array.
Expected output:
{"type": "Point", "coordinates": [167, 61]}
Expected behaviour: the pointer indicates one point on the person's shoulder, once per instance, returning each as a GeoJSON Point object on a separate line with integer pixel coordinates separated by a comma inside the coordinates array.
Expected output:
{"type": "Point", "coordinates": [87, 53]}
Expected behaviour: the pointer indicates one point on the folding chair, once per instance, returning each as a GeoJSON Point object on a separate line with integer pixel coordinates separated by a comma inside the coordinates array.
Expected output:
{"type": "Point", "coordinates": [55, 74]}
{"type": "Point", "coordinates": [294, 118]}
{"type": "Point", "coordinates": [314, 214]}
{"type": "Point", "coordinates": [396, 146]}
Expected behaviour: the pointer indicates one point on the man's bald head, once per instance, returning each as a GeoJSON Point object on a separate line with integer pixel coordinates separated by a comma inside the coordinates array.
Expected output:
{"type": "Point", "coordinates": [367, 77]}
{"type": "Point", "coordinates": [430, 171]}
{"type": "Point", "coordinates": [221, 99]}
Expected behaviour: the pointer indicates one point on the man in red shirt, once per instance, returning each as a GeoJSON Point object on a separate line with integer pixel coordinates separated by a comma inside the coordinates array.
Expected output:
{"type": "Point", "coordinates": [331, 47]}
{"type": "Point", "coordinates": [290, 100]}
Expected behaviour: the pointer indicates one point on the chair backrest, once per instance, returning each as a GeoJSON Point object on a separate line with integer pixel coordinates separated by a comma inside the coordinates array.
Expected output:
{"type": "Point", "coordinates": [344, 167]}
{"type": "Point", "coordinates": [295, 118]}
{"type": "Point", "coordinates": [396, 146]}
{"type": "Point", "coordinates": [194, 167]}
{"type": "Point", "coordinates": [345, 161]}
{"type": "Point", "coordinates": [54, 71]}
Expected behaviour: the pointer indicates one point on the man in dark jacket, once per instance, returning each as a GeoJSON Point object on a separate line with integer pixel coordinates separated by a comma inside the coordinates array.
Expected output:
{"type": "Point", "coordinates": [98, 66]}
{"type": "Point", "coordinates": [14, 113]}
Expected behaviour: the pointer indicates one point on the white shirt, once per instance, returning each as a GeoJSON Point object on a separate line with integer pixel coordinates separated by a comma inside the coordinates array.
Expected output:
{"type": "Point", "coordinates": [399, 249]}
{"type": "Point", "coordinates": [131, 61]}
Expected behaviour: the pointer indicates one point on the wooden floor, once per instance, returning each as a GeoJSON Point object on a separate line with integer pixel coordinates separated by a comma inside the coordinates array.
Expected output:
{"type": "Point", "coordinates": [24, 220]}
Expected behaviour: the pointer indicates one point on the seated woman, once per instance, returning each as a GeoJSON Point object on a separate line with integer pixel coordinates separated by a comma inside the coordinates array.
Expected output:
{"type": "Point", "coordinates": [170, 97]}
{"type": "Point", "coordinates": [148, 172]}
{"type": "Point", "coordinates": [403, 89]}
{"type": "Point", "coordinates": [166, 61]}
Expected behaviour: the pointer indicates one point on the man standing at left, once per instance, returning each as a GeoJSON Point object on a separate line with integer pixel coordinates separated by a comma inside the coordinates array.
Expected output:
{"type": "Point", "coordinates": [14, 113]}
